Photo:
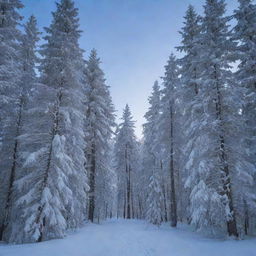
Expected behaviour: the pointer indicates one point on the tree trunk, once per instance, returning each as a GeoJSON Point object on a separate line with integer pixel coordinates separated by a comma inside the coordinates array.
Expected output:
{"type": "Point", "coordinates": [91, 174]}
{"type": "Point", "coordinates": [128, 188]}
{"type": "Point", "coordinates": [246, 218]}
{"type": "Point", "coordinates": [7, 205]}
{"type": "Point", "coordinates": [128, 195]}
{"type": "Point", "coordinates": [106, 211]}
{"type": "Point", "coordinates": [92, 184]}
{"type": "Point", "coordinates": [227, 188]}
{"type": "Point", "coordinates": [173, 195]}
{"type": "Point", "coordinates": [165, 218]}
{"type": "Point", "coordinates": [132, 205]}
{"type": "Point", "coordinates": [124, 213]}
{"type": "Point", "coordinates": [140, 208]}
{"type": "Point", "coordinates": [55, 131]}
{"type": "Point", "coordinates": [195, 84]}
{"type": "Point", "coordinates": [165, 205]}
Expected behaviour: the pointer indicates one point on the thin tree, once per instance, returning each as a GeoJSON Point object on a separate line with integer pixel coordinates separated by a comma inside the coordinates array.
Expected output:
{"type": "Point", "coordinates": [189, 104]}
{"type": "Point", "coordinates": [152, 160]}
{"type": "Point", "coordinates": [126, 164]}
{"type": "Point", "coordinates": [98, 130]}
{"type": "Point", "coordinates": [167, 130]}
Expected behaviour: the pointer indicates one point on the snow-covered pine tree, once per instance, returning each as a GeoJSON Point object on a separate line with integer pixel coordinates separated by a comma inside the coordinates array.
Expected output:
{"type": "Point", "coordinates": [126, 165]}
{"type": "Point", "coordinates": [52, 188]}
{"type": "Point", "coordinates": [154, 204]}
{"type": "Point", "coordinates": [111, 196]}
{"type": "Point", "coordinates": [245, 36]}
{"type": "Point", "coordinates": [152, 160]}
{"type": "Point", "coordinates": [168, 131]}
{"type": "Point", "coordinates": [139, 196]}
{"type": "Point", "coordinates": [10, 91]}
{"type": "Point", "coordinates": [189, 101]}
{"type": "Point", "coordinates": [29, 53]}
{"type": "Point", "coordinates": [28, 78]}
{"type": "Point", "coordinates": [190, 46]}
{"type": "Point", "coordinates": [98, 129]}
{"type": "Point", "coordinates": [213, 172]}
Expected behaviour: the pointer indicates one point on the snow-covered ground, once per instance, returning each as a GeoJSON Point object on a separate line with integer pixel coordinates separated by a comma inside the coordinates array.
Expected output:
{"type": "Point", "coordinates": [132, 238]}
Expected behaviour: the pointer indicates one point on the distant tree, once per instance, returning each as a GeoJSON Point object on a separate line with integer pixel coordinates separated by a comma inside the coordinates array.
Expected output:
{"type": "Point", "coordinates": [126, 164]}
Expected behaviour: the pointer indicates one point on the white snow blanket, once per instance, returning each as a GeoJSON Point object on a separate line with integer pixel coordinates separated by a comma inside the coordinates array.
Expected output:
{"type": "Point", "coordinates": [133, 238]}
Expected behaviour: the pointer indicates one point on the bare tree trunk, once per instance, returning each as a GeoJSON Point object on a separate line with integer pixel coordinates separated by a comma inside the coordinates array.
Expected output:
{"type": "Point", "coordinates": [124, 213]}
{"type": "Point", "coordinates": [128, 177]}
{"type": "Point", "coordinates": [246, 218]}
{"type": "Point", "coordinates": [129, 195]}
{"type": "Point", "coordinates": [165, 206]}
{"type": "Point", "coordinates": [173, 194]}
{"type": "Point", "coordinates": [195, 84]}
{"type": "Point", "coordinates": [92, 184]}
{"type": "Point", "coordinates": [106, 211]}
{"type": "Point", "coordinates": [140, 208]}
{"type": "Point", "coordinates": [132, 205]}
{"type": "Point", "coordinates": [165, 218]}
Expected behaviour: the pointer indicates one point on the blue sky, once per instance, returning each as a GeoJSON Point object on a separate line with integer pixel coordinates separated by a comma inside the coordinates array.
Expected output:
{"type": "Point", "coordinates": [133, 38]}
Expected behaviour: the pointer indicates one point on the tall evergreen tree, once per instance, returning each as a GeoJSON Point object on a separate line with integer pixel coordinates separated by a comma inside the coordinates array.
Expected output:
{"type": "Point", "coordinates": [10, 91]}
{"type": "Point", "coordinates": [245, 36]}
{"type": "Point", "coordinates": [212, 173]}
{"type": "Point", "coordinates": [190, 46]}
{"type": "Point", "coordinates": [189, 99]}
{"type": "Point", "coordinates": [28, 78]}
{"type": "Point", "coordinates": [98, 130]}
{"type": "Point", "coordinates": [126, 164]}
{"type": "Point", "coordinates": [52, 187]}
{"type": "Point", "coordinates": [29, 53]}
{"type": "Point", "coordinates": [168, 134]}
{"type": "Point", "coordinates": [152, 159]}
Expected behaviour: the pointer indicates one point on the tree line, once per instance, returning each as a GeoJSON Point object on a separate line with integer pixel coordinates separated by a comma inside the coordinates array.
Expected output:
{"type": "Point", "coordinates": [199, 137]}
{"type": "Point", "coordinates": [197, 157]}
{"type": "Point", "coordinates": [53, 127]}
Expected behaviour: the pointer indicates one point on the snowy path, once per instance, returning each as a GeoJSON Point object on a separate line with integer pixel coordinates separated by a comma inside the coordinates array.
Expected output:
{"type": "Point", "coordinates": [132, 238]}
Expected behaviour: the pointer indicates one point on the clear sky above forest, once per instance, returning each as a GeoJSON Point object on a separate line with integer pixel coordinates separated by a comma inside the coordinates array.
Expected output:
{"type": "Point", "coordinates": [133, 38]}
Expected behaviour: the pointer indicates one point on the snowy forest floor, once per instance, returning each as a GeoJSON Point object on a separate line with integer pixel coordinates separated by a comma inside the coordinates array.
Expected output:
{"type": "Point", "coordinates": [133, 238]}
